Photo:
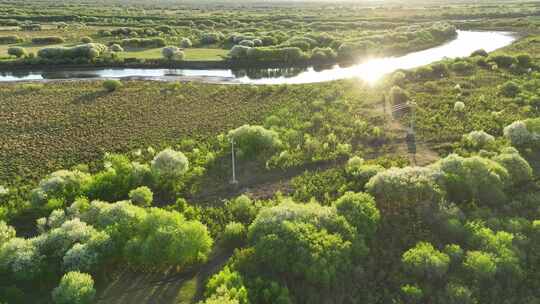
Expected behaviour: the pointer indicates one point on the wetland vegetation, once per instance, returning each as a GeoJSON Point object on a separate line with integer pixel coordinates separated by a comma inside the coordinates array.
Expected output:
{"type": "Point", "coordinates": [421, 187]}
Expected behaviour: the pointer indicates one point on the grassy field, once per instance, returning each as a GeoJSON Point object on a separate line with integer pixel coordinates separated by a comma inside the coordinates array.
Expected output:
{"type": "Point", "coordinates": [190, 54]}
{"type": "Point", "coordinates": [62, 124]}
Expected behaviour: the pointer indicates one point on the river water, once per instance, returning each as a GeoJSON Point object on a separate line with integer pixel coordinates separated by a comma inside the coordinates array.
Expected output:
{"type": "Point", "coordinates": [369, 70]}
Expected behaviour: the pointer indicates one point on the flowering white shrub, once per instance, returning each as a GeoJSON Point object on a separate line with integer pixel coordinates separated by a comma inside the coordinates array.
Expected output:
{"type": "Point", "coordinates": [239, 51]}
{"type": "Point", "coordinates": [21, 258]}
{"type": "Point", "coordinates": [459, 106]}
{"type": "Point", "coordinates": [478, 139]}
{"type": "Point", "coordinates": [519, 169]}
{"type": "Point", "coordinates": [252, 140]}
{"type": "Point", "coordinates": [409, 185]}
{"type": "Point", "coordinates": [523, 133]}
{"type": "Point", "coordinates": [85, 257]}
{"type": "Point", "coordinates": [169, 164]}
{"type": "Point", "coordinates": [58, 241]}
{"type": "Point", "coordinates": [62, 184]}
{"type": "Point", "coordinates": [185, 43]}
{"type": "Point", "coordinates": [353, 164]}
{"type": "Point", "coordinates": [6, 232]}
{"type": "Point", "coordinates": [172, 53]}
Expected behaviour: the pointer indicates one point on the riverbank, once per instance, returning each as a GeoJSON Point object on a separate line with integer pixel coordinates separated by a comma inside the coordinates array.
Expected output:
{"type": "Point", "coordinates": [370, 70]}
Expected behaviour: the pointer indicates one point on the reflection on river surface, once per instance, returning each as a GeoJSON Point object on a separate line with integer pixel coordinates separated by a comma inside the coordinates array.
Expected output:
{"type": "Point", "coordinates": [369, 70]}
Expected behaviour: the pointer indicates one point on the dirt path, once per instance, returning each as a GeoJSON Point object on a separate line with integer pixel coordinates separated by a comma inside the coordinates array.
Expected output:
{"type": "Point", "coordinates": [128, 287]}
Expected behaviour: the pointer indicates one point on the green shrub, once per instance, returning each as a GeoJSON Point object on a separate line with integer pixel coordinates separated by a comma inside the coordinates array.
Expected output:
{"type": "Point", "coordinates": [86, 40]}
{"type": "Point", "coordinates": [360, 211]}
{"type": "Point", "coordinates": [502, 61]}
{"type": "Point", "coordinates": [141, 196]}
{"type": "Point", "coordinates": [185, 43]}
{"type": "Point", "coordinates": [112, 85]}
{"type": "Point", "coordinates": [17, 52]}
{"type": "Point", "coordinates": [172, 53]}
{"type": "Point", "coordinates": [116, 48]}
{"type": "Point", "coordinates": [426, 262]}
{"type": "Point", "coordinates": [478, 140]}
{"type": "Point", "coordinates": [85, 51]}
{"type": "Point", "coordinates": [518, 168]}
{"type": "Point", "coordinates": [10, 39]}
{"type": "Point", "coordinates": [254, 140]}
{"type": "Point", "coordinates": [510, 89]}
{"type": "Point", "coordinates": [74, 288]}
{"type": "Point", "coordinates": [234, 235]}
{"type": "Point", "coordinates": [48, 40]}
{"type": "Point", "coordinates": [480, 264]}
{"type": "Point", "coordinates": [242, 209]}
{"type": "Point", "coordinates": [141, 42]}
{"type": "Point", "coordinates": [480, 52]}
{"type": "Point", "coordinates": [524, 133]}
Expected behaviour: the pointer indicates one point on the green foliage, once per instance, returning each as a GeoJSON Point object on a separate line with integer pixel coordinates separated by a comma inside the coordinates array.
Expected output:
{"type": "Point", "coordinates": [478, 140]}
{"type": "Point", "coordinates": [165, 238]}
{"type": "Point", "coordinates": [480, 264]}
{"type": "Point", "coordinates": [242, 209]}
{"type": "Point", "coordinates": [74, 288]}
{"type": "Point", "coordinates": [85, 52]}
{"type": "Point", "coordinates": [172, 53]}
{"type": "Point", "coordinates": [112, 85]}
{"type": "Point", "coordinates": [86, 39]}
{"type": "Point", "coordinates": [63, 185]}
{"type": "Point", "coordinates": [360, 211]}
{"type": "Point", "coordinates": [425, 262]}
{"type": "Point", "coordinates": [524, 133]}
{"type": "Point", "coordinates": [141, 196]}
{"type": "Point", "coordinates": [185, 43]}
{"type": "Point", "coordinates": [396, 188]}
{"type": "Point", "coordinates": [412, 293]}
{"type": "Point", "coordinates": [48, 40]}
{"type": "Point", "coordinates": [474, 178]}
{"type": "Point", "coordinates": [459, 294]}
{"type": "Point", "coordinates": [518, 168]}
{"type": "Point", "coordinates": [18, 52]}
{"type": "Point", "coordinates": [6, 232]}
{"type": "Point", "coordinates": [11, 39]}
{"type": "Point", "coordinates": [252, 141]}
{"type": "Point", "coordinates": [510, 89]}
{"type": "Point", "coordinates": [308, 241]}
{"type": "Point", "coordinates": [234, 235]}
{"type": "Point", "coordinates": [225, 286]}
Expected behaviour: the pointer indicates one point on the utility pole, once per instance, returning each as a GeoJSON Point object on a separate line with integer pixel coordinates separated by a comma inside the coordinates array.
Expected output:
{"type": "Point", "coordinates": [233, 181]}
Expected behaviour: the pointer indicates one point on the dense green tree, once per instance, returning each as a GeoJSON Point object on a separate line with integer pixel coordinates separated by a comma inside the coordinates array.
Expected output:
{"type": "Point", "coordinates": [426, 262]}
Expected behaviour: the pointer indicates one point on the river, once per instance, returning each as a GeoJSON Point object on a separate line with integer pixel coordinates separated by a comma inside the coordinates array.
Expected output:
{"type": "Point", "coordinates": [369, 70]}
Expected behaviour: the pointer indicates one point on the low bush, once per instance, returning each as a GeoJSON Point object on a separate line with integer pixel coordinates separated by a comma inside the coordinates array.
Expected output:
{"type": "Point", "coordinates": [74, 288]}
{"type": "Point", "coordinates": [234, 235]}
{"type": "Point", "coordinates": [48, 40]}
{"type": "Point", "coordinates": [185, 43]}
{"type": "Point", "coordinates": [17, 52]}
{"type": "Point", "coordinates": [10, 39]}
{"type": "Point", "coordinates": [116, 48]}
{"type": "Point", "coordinates": [86, 40]}
{"type": "Point", "coordinates": [111, 85]}
{"type": "Point", "coordinates": [172, 53]}
{"type": "Point", "coordinates": [141, 42]}
{"type": "Point", "coordinates": [85, 51]}
{"type": "Point", "coordinates": [141, 196]}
